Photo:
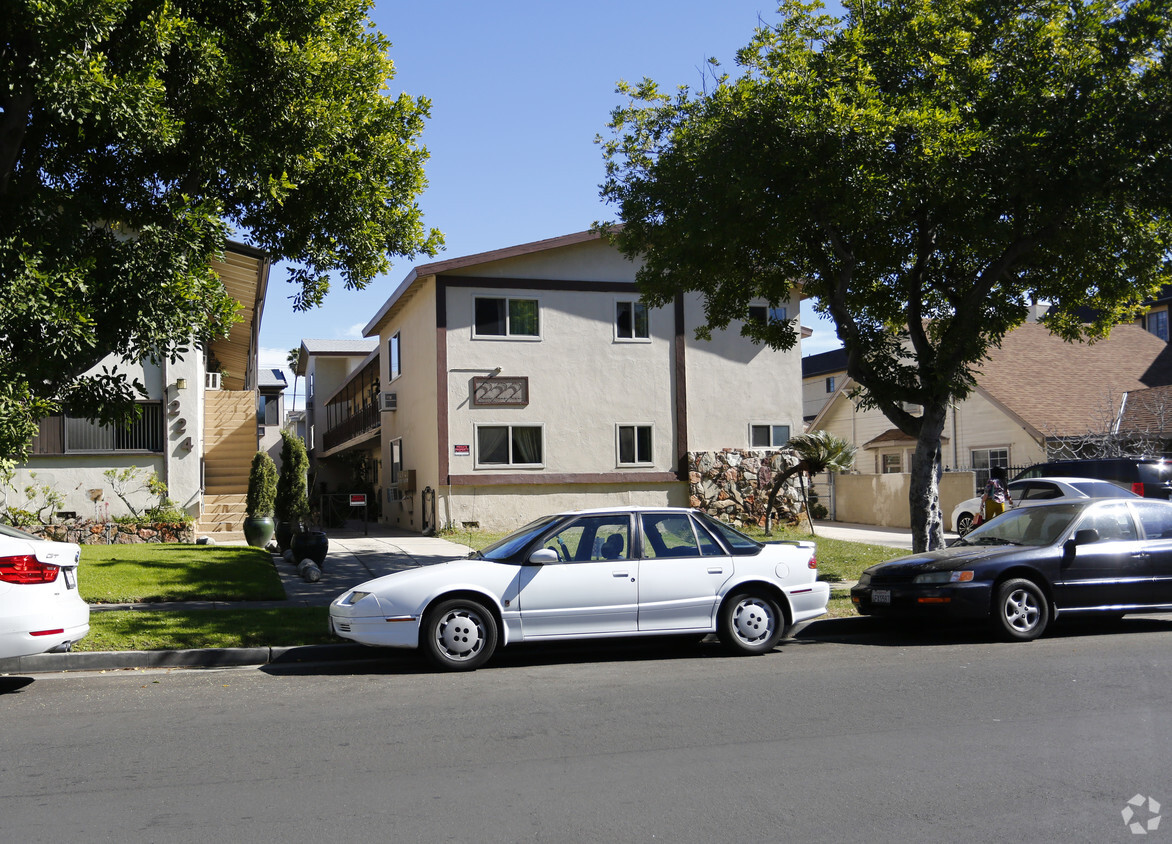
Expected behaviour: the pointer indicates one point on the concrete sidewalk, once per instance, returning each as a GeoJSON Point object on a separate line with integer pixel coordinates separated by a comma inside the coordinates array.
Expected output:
{"type": "Point", "coordinates": [873, 534]}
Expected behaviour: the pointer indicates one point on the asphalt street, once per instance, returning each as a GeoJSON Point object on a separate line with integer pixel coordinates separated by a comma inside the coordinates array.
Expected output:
{"type": "Point", "coordinates": [854, 731]}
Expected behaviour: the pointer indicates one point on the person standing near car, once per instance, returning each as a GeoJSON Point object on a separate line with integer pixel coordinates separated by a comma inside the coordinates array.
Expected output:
{"type": "Point", "coordinates": [995, 500]}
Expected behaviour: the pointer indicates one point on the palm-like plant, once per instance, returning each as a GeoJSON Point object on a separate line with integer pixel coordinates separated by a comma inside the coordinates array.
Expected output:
{"type": "Point", "coordinates": [818, 451]}
{"type": "Point", "coordinates": [294, 361]}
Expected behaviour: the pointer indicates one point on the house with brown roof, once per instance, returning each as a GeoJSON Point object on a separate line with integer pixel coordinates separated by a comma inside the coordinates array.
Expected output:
{"type": "Point", "coordinates": [1033, 392]}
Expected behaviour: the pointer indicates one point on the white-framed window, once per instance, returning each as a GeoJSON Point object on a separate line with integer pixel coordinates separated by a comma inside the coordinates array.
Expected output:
{"type": "Point", "coordinates": [768, 436]}
{"type": "Point", "coordinates": [634, 445]}
{"type": "Point", "coordinates": [830, 383]}
{"type": "Point", "coordinates": [510, 445]}
{"type": "Point", "coordinates": [1158, 324]}
{"type": "Point", "coordinates": [765, 313]}
{"type": "Point", "coordinates": [394, 355]}
{"type": "Point", "coordinates": [631, 320]}
{"type": "Point", "coordinates": [502, 316]}
{"type": "Point", "coordinates": [984, 459]}
{"type": "Point", "coordinates": [891, 463]}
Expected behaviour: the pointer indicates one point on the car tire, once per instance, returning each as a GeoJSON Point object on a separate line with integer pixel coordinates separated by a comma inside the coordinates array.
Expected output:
{"type": "Point", "coordinates": [964, 523]}
{"type": "Point", "coordinates": [750, 623]}
{"type": "Point", "coordinates": [1021, 610]}
{"type": "Point", "coordinates": [459, 635]}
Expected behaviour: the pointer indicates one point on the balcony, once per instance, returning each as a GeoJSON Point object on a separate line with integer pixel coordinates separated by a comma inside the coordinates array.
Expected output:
{"type": "Point", "coordinates": [366, 420]}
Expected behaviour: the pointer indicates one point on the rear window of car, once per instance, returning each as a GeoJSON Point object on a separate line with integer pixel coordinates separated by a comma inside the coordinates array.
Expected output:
{"type": "Point", "coordinates": [1101, 489]}
{"type": "Point", "coordinates": [737, 542]}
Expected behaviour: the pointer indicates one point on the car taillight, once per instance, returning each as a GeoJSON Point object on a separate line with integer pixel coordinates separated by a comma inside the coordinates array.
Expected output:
{"type": "Point", "coordinates": [26, 569]}
{"type": "Point", "coordinates": [1138, 488]}
{"type": "Point", "coordinates": [813, 564]}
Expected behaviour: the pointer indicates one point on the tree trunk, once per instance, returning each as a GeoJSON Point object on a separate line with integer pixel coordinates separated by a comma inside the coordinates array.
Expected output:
{"type": "Point", "coordinates": [924, 496]}
{"type": "Point", "coordinates": [772, 500]}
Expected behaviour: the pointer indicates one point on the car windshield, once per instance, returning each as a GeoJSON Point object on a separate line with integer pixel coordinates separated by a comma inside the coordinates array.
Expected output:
{"type": "Point", "coordinates": [508, 548]}
{"type": "Point", "coordinates": [1041, 525]}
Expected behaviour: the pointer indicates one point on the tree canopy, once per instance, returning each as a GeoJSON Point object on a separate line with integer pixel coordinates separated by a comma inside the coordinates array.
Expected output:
{"type": "Point", "coordinates": [925, 170]}
{"type": "Point", "coordinates": [135, 136]}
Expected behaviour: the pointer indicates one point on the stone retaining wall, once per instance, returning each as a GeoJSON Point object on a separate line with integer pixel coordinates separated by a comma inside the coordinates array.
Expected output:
{"type": "Point", "coordinates": [733, 484]}
{"type": "Point", "coordinates": [113, 533]}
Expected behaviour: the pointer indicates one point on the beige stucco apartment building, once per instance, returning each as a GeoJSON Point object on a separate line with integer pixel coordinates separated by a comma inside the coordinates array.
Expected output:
{"type": "Point", "coordinates": [530, 379]}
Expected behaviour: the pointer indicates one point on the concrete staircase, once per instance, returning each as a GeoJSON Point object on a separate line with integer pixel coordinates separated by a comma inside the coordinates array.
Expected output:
{"type": "Point", "coordinates": [229, 446]}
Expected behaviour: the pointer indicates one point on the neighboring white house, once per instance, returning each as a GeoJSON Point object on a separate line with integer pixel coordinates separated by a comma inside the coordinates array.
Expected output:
{"type": "Point", "coordinates": [822, 375]}
{"type": "Point", "coordinates": [531, 379]}
{"type": "Point", "coordinates": [197, 431]}
{"type": "Point", "coordinates": [1033, 389]}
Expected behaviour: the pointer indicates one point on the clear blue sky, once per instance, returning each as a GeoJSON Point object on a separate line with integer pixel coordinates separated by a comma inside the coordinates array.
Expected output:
{"type": "Point", "coordinates": [519, 91]}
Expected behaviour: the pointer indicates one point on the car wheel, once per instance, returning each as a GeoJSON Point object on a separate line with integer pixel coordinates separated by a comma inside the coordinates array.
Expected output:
{"type": "Point", "coordinates": [1020, 610]}
{"type": "Point", "coordinates": [751, 623]}
{"type": "Point", "coordinates": [459, 635]}
{"type": "Point", "coordinates": [964, 523]}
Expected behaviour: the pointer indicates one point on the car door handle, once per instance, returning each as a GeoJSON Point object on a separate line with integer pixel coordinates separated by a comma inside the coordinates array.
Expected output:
{"type": "Point", "coordinates": [715, 570]}
{"type": "Point", "coordinates": [620, 574]}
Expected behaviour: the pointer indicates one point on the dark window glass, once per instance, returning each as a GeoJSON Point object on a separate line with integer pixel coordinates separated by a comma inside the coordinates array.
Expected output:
{"type": "Point", "coordinates": [490, 317]}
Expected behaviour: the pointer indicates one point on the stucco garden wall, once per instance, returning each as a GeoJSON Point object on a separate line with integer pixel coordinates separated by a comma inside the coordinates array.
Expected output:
{"type": "Point", "coordinates": [883, 499]}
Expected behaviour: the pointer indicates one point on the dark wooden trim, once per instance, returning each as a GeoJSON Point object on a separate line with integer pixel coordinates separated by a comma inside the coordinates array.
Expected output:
{"type": "Point", "coordinates": [540, 284]}
{"type": "Point", "coordinates": [524, 479]}
{"type": "Point", "coordinates": [681, 379]}
{"type": "Point", "coordinates": [441, 375]}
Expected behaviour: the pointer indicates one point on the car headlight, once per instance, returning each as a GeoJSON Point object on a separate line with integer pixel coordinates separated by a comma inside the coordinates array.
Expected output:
{"type": "Point", "coordinates": [356, 596]}
{"type": "Point", "coordinates": [944, 577]}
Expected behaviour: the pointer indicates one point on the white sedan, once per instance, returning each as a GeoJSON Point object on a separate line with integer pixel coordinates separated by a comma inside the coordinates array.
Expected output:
{"type": "Point", "coordinates": [1037, 490]}
{"type": "Point", "coordinates": [629, 571]}
{"type": "Point", "coordinates": [40, 608]}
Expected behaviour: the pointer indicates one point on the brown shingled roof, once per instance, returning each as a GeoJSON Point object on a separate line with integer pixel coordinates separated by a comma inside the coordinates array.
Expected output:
{"type": "Point", "coordinates": [1148, 410]}
{"type": "Point", "coordinates": [1062, 389]}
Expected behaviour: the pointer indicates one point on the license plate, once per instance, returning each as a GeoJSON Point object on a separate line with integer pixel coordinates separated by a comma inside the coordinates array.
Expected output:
{"type": "Point", "coordinates": [881, 596]}
{"type": "Point", "coordinates": [70, 578]}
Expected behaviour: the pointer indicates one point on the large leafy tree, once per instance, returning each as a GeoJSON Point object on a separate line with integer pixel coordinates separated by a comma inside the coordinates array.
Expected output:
{"type": "Point", "coordinates": [925, 170]}
{"type": "Point", "coordinates": [135, 134]}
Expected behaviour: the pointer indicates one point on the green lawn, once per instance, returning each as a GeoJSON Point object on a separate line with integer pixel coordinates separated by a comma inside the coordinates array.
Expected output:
{"type": "Point", "coordinates": [120, 574]}
{"type": "Point", "coordinates": [146, 630]}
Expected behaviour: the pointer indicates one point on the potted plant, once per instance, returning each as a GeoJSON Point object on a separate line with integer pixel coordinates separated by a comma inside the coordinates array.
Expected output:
{"type": "Point", "coordinates": [292, 501]}
{"type": "Point", "coordinates": [258, 506]}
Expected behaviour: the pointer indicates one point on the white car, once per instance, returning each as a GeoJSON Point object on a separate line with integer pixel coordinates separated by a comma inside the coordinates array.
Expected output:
{"type": "Point", "coordinates": [40, 608]}
{"type": "Point", "coordinates": [1037, 490]}
{"type": "Point", "coordinates": [629, 571]}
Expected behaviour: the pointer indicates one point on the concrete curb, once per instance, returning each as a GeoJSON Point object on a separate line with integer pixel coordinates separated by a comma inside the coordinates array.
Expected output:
{"type": "Point", "coordinates": [196, 658]}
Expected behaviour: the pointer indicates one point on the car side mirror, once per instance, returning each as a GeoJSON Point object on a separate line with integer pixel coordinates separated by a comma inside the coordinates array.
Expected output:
{"type": "Point", "coordinates": [1086, 536]}
{"type": "Point", "coordinates": [543, 555]}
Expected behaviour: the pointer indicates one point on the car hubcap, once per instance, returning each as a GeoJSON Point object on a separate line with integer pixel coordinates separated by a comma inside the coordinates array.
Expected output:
{"type": "Point", "coordinates": [753, 621]}
{"type": "Point", "coordinates": [1021, 611]}
{"type": "Point", "coordinates": [460, 634]}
